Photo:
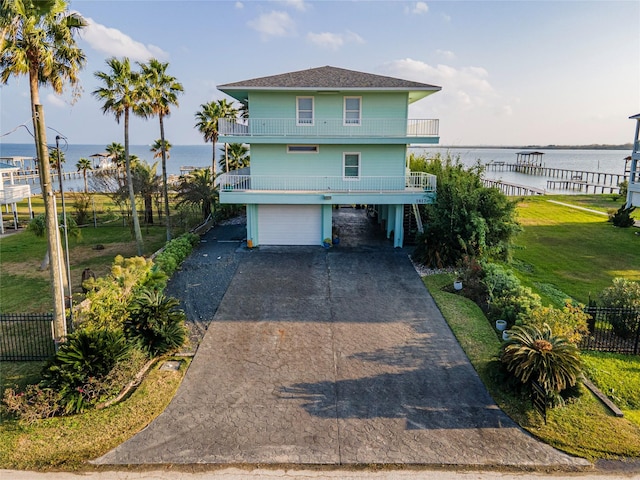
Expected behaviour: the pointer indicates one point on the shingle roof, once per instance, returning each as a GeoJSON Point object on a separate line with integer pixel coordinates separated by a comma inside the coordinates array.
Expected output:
{"type": "Point", "coordinates": [329, 78]}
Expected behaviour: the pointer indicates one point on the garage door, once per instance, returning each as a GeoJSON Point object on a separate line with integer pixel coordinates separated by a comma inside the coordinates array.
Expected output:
{"type": "Point", "coordinates": [289, 224]}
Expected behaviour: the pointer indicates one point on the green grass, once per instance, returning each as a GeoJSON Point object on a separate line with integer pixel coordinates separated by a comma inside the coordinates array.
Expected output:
{"type": "Point", "coordinates": [603, 202]}
{"type": "Point", "coordinates": [573, 251]}
{"type": "Point", "coordinates": [69, 442]}
{"type": "Point", "coordinates": [618, 376]}
{"type": "Point", "coordinates": [583, 427]}
{"type": "Point", "coordinates": [25, 289]}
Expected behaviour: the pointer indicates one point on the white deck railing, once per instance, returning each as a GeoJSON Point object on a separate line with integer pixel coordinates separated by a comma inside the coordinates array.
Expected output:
{"type": "Point", "coordinates": [14, 193]}
{"type": "Point", "coordinates": [329, 127]}
{"type": "Point", "coordinates": [416, 181]}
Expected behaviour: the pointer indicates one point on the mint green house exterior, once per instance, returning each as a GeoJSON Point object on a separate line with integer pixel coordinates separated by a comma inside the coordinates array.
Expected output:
{"type": "Point", "coordinates": [633, 186]}
{"type": "Point", "coordinates": [323, 137]}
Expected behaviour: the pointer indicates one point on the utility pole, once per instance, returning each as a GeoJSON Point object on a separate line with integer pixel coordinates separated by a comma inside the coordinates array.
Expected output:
{"type": "Point", "coordinates": [53, 233]}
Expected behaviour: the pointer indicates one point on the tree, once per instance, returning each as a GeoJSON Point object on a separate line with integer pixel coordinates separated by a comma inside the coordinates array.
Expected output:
{"type": "Point", "coordinates": [161, 93]}
{"type": "Point", "coordinates": [122, 94]}
{"type": "Point", "coordinates": [83, 165]}
{"type": "Point", "coordinates": [198, 189]}
{"type": "Point", "coordinates": [467, 218]}
{"type": "Point", "coordinates": [38, 41]}
{"type": "Point", "coordinates": [157, 149]}
{"type": "Point", "coordinates": [207, 123]}
{"type": "Point", "coordinates": [237, 157]}
{"type": "Point", "coordinates": [146, 183]}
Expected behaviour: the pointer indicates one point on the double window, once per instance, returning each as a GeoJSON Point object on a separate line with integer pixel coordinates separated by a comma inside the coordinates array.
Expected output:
{"type": "Point", "coordinates": [351, 165]}
{"type": "Point", "coordinates": [352, 110]}
{"type": "Point", "coordinates": [304, 110]}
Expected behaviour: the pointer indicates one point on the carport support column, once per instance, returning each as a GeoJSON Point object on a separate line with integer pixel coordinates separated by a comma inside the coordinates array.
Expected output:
{"type": "Point", "coordinates": [391, 219]}
{"type": "Point", "coordinates": [252, 225]}
{"type": "Point", "coordinates": [327, 222]}
{"type": "Point", "coordinates": [398, 238]}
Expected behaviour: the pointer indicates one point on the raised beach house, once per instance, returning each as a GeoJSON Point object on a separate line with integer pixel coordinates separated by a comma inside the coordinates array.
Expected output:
{"type": "Point", "coordinates": [633, 189]}
{"type": "Point", "coordinates": [324, 137]}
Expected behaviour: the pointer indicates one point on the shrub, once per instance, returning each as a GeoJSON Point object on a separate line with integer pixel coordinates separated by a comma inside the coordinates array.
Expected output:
{"type": "Point", "coordinates": [467, 217]}
{"type": "Point", "coordinates": [622, 217]}
{"type": "Point", "coordinates": [508, 299]}
{"type": "Point", "coordinates": [85, 355]}
{"type": "Point", "coordinates": [155, 323]}
{"type": "Point", "coordinates": [535, 354]}
{"type": "Point", "coordinates": [622, 294]}
{"type": "Point", "coordinates": [569, 322]}
{"type": "Point", "coordinates": [33, 404]}
{"type": "Point", "coordinates": [109, 296]}
{"type": "Point", "coordinates": [175, 252]}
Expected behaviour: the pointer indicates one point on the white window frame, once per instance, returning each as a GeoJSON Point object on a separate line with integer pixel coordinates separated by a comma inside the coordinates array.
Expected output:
{"type": "Point", "coordinates": [351, 123]}
{"type": "Point", "coordinates": [344, 166]}
{"type": "Point", "coordinates": [312, 149]}
{"type": "Point", "coordinates": [305, 123]}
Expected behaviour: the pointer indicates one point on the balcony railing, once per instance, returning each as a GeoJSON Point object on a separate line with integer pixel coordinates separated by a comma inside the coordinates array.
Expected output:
{"type": "Point", "coordinates": [329, 127]}
{"type": "Point", "coordinates": [14, 193]}
{"type": "Point", "coordinates": [414, 182]}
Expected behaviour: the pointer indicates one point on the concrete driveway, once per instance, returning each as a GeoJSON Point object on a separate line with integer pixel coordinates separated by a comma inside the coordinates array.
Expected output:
{"type": "Point", "coordinates": [332, 357]}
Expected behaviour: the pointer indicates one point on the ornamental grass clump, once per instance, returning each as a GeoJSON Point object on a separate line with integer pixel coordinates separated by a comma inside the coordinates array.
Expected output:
{"type": "Point", "coordinates": [535, 354]}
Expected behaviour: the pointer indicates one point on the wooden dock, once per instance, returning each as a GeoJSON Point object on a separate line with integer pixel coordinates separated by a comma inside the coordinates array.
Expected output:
{"type": "Point", "coordinates": [512, 189]}
{"type": "Point", "coordinates": [33, 177]}
{"type": "Point", "coordinates": [582, 180]}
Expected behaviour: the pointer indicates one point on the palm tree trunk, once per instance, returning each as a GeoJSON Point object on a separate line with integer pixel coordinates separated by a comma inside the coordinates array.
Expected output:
{"type": "Point", "coordinates": [165, 188]}
{"type": "Point", "coordinates": [86, 187]}
{"type": "Point", "coordinates": [213, 170]}
{"type": "Point", "coordinates": [132, 196]}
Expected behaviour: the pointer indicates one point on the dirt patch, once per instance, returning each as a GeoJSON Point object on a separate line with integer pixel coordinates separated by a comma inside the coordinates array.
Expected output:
{"type": "Point", "coordinates": [88, 252]}
{"type": "Point", "coordinates": [27, 268]}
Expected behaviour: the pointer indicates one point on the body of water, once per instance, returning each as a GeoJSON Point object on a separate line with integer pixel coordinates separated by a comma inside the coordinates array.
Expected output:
{"type": "Point", "coordinates": [606, 161]}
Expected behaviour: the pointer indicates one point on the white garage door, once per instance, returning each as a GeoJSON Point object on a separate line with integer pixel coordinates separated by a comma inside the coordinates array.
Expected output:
{"type": "Point", "coordinates": [289, 224]}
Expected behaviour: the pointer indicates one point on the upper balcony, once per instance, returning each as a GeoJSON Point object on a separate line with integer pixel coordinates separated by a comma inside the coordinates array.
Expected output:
{"type": "Point", "coordinates": [330, 130]}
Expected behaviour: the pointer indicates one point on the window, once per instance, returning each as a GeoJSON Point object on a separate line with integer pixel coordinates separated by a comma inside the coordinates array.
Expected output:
{"type": "Point", "coordinates": [305, 110]}
{"type": "Point", "coordinates": [351, 166]}
{"type": "Point", "coordinates": [352, 110]}
{"type": "Point", "coordinates": [302, 148]}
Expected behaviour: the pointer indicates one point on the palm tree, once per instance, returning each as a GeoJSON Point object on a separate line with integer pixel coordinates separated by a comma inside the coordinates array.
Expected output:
{"type": "Point", "coordinates": [157, 149]}
{"type": "Point", "coordinates": [236, 157]}
{"type": "Point", "coordinates": [207, 123]}
{"type": "Point", "coordinates": [122, 94]}
{"type": "Point", "coordinates": [146, 183]}
{"type": "Point", "coordinates": [198, 189]}
{"type": "Point", "coordinates": [83, 165]}
{"type": "Point", "coordinates": [116, 150]}
{"type": "Point", "coordinates": [38, 41]}
{"type": "Point", "coordinates": [161, 93]}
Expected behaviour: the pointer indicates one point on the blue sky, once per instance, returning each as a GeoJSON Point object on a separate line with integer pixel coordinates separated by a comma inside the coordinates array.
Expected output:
{"type": "Point", "coordinates": [511, 72]}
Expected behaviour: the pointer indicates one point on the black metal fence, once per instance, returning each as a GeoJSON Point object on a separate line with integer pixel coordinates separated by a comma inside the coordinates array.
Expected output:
{"type": "Point", "coordinates": [26, 336]}
{"type": "Point", "coordinates": [613, 330]}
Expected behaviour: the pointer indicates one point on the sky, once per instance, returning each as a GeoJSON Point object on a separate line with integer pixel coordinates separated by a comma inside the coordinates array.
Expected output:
{"type": "Point", "coordinates": [512, 72]}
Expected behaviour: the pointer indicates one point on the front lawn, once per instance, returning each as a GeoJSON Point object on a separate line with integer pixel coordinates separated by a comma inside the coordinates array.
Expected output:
{"type": "Point", "coordinates": [572, 251]}
{"type": "Point", "coordinates": [69, 442]}
{"type": "Point", "coordinates": [584, 427]}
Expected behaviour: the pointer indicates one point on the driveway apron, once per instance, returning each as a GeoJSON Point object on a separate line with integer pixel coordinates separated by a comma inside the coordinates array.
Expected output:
{"type": "Point", "coordinates": [332, 357]}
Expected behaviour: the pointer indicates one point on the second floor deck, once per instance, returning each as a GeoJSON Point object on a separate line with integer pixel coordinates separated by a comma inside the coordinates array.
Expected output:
{"type": "Point", "coordinates": [290, 129]}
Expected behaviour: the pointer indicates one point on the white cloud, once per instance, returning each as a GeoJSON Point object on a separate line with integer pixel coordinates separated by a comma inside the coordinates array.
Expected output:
{"type": "Point", "coordinates": [239, 5]}
{"type": "Point", "coordinates": [446, 17]}
{"type": "Point", "coordinates": [418, 8]}
{"type": "Point", "coordinates": [447, 54]}
{"type": "Point", "coordinates": [299, 5]}
{"type": "Point", "coordinates": [113, 42]}
{"type": "Point", "coordinates": [465, 87]}
{"type": "Point", "coordinates": [56, 101]}
{"type": "Point", "coordinates": [273, 24]}
{"type": "Point", "coordinates": [334, 41]}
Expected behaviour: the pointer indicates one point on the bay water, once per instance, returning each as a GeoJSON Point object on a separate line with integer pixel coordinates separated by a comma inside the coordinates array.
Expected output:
{"type": "Point", "coordinates": [200, 156]}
